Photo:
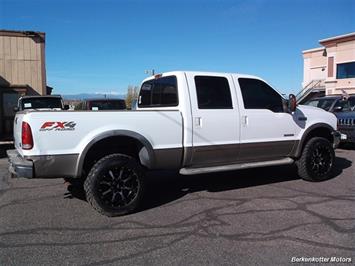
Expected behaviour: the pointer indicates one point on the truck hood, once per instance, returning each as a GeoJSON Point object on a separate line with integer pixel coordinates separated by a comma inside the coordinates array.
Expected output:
{"type": "Point", "coordinates": [316, 115]}
{"type": "Point", "coordinates": [309, 107]}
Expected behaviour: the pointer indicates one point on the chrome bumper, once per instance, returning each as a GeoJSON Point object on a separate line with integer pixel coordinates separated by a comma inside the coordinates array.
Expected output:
{"type": "Point", "coordinates": [18, 166]}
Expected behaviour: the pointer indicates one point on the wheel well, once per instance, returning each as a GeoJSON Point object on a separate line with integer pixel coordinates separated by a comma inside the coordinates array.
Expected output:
{"type": "Point", "coordinates": [322, 132]}
{"type": "Point", "coordinates": [115, 144]}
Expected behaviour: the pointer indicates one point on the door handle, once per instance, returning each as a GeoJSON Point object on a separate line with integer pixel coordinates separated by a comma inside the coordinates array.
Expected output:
{"type": "Point", "coordinates": [198, 121]}
{"type": "Point", "coordinates": [245, 120]}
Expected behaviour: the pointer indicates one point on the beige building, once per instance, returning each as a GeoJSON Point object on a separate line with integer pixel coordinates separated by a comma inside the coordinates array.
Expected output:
{"type": "Point", "coordinates": [22, 71]}
{"type": "Point", "coordinates": [331, 68]}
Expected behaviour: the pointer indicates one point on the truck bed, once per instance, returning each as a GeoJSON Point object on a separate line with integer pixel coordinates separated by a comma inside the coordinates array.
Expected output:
{"type": "Point", "coordinates": [69, 132]}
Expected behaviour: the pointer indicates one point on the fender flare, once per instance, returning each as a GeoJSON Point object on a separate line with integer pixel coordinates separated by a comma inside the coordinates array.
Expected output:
{"type": "Point", "coordinates": [146, 154]}
{"type": "Point", "coordinates": [306, 134]}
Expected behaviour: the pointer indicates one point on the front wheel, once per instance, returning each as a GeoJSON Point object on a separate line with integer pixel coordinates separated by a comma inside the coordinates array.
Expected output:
{"type": "Point", "coordinates": [115, 185]}
{"type": "Point", "coordinates": [317, 160]}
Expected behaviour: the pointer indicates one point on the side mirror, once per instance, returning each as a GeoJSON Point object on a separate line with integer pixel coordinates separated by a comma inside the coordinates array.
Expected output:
{"type": "Point", "coordinates": [16, 109]}
{"type": "Point", "coordinates": [66, 106]}
{"type": "Point", "coordinates": [337, 109]}
{"type": "Point", "coordinates": [292, 103]}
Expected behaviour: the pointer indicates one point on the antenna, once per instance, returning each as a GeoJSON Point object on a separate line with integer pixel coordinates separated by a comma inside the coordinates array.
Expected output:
{"type": "Point", "coordinates": [150, 72]}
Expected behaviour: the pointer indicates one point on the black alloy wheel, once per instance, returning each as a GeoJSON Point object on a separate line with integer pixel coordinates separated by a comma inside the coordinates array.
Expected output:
{"type": "Point", "coordinates": [115, 185]}
{"type": "Point", "coordinates": [317, 160]}
{"type": "Point", "coordinates": [118, 187]}
{"type": "Point", "coordinates": [321, 160]}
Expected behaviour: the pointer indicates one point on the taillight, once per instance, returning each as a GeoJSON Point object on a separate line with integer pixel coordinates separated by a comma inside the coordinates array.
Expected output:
{"type": "Point", "coordinates": [27, 140]}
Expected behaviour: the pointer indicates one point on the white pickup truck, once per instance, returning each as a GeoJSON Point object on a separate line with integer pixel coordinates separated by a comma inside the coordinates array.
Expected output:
{"type": "Point", "coordinates": [197, 122]}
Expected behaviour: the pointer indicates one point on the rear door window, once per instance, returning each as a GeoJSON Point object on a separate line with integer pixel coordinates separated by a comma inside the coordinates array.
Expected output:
{"type": "Point", "coordinates": [213, 92]}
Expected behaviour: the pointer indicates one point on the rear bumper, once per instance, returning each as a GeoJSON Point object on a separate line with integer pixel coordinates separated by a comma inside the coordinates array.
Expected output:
{"type": "Point", "coordinates": [18, 166]}
{"type": "Point", "coordinates": [42, 166]}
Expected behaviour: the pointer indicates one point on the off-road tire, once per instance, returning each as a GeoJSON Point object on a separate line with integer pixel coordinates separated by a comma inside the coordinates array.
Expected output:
{"type": "Point", "coordinates": [317, 160]}
{"type": "Point", "coordinates": [115, 185]}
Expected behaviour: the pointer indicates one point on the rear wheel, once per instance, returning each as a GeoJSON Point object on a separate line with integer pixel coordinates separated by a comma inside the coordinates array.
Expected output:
{"type": "Point", "coordinates": [317, 160]}
{"type": "Point", "coordinates": [114, 185]}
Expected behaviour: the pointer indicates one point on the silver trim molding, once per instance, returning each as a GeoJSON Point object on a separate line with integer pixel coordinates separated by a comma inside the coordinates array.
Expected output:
{"type": "Point", "coordinates": [203, 170]}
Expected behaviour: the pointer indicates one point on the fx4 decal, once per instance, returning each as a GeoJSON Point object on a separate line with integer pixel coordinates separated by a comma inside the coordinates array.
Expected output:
{"type": "Point", "coordinates": [58, 126]}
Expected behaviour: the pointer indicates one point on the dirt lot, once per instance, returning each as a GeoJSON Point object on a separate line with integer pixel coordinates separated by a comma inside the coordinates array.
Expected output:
{"type": "Point", "coordinates": [263, 216]}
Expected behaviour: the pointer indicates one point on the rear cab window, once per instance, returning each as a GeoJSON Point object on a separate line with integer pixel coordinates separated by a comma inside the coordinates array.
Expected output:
{"type": "Point", "coordinates": [160, 92]}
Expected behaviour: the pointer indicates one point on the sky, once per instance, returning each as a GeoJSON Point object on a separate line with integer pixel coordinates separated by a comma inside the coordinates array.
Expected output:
{"type": "Point", "coordinates": [103, 46]}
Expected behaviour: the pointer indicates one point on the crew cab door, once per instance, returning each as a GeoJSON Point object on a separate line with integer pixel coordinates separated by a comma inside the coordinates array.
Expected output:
{"type": "Point", "coordinates": [215, 119]}
{"type": "Point", "coordinates": [268, 131]}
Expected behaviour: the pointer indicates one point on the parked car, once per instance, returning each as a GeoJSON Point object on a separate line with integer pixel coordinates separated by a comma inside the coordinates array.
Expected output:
{"type": "Point", "coordinates": [194, 122]}
{"type": "Point", "coordinates": [53, 102]}
{"type": "Point", "coordinates": [346, 125]}
{"type": "Point", "coordinates": [104, 104]}
{"type": "Point", "coordinates": [344, 110]}
{"type": "Point", "coordinates": [334, 103]}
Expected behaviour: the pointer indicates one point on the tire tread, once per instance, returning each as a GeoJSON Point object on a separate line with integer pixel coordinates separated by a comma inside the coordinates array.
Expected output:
{"type": "Point", "coordinates": [302, 162]}
{"type": "Point", "coordinates": [89, 187]}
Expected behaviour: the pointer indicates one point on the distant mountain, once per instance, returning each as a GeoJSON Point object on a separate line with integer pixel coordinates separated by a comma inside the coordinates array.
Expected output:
{"type": "Point", "coordinates": [84, 96]}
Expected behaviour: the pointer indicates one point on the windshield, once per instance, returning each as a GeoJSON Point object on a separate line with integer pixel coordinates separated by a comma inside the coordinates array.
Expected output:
{"type": "Point", "coordinates": [42, 102]}
{"type": "Point", "coordinates": [321, 103]}
{"type": "Point", "coordinates": [107, 105]}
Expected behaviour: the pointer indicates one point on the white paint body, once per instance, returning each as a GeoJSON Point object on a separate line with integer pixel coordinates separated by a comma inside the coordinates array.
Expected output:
{"type": "Point", "coordinates": [172, 127]}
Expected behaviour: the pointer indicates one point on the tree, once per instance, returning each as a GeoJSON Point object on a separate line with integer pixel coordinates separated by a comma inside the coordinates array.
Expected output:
{"type": "Point", "coordinates": [79, 106]}
{"type": "Point", "coordinates": [132, 95]}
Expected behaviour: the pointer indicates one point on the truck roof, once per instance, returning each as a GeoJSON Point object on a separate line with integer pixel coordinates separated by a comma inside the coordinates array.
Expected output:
{"type": "Point", "coordinates": [205, 73]}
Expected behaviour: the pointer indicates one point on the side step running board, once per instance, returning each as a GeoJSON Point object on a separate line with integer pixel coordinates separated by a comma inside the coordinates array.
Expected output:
{"type": "Point", "coordinates": [211, 169]}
